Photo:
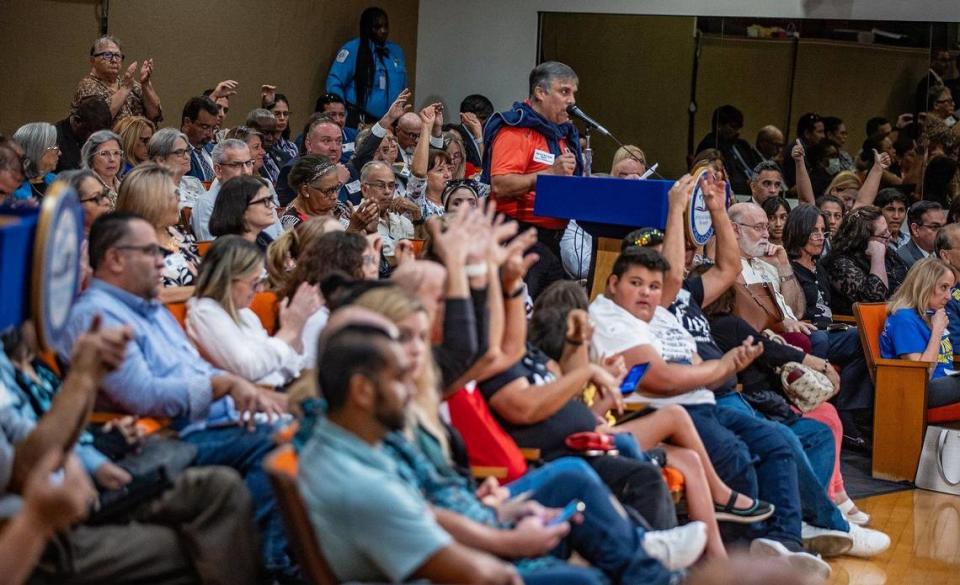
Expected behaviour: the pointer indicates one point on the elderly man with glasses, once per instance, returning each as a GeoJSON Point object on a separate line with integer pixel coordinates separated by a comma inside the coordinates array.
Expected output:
{"type": "Point", "coordinates": [128, 93]}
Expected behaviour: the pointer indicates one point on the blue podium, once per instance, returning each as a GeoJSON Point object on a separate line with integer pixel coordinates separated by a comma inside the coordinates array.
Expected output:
{"type": "Point", "coordinates": [607, 209]}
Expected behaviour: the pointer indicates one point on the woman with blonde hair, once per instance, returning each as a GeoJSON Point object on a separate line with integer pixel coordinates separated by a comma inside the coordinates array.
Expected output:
{"type": "Point", "coordinates": [629, 162]}
{"type": "Point", "coordinates": [134, 132]}
{"type": "Point", "coordinates": [916, 327]}
{"type": "Point", "coordinates": [453, 144]}
{"type": "Point", "coordinates": [150, 192]}
{"type": "Point", "coordinates": [228, 333]}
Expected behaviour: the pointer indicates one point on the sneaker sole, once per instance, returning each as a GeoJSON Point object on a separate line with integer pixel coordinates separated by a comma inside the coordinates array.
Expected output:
{"type": "Point", "coordinates": [828, 545]}
{"type": "Point", "coordinates": [810, 565]}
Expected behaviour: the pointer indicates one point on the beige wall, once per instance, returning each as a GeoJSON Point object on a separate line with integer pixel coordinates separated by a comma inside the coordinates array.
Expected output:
{"type": "Point", "coordinates": [635, 74]}
{"type": "Point", "coordinates": [44, 48]}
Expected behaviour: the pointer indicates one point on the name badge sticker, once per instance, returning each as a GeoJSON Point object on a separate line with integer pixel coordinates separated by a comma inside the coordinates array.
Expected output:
{"type": "Point", "coordinates": [353, 186]}
{"type": "Point", "coordinates": [348, 146]}
{"type": "Point", "coordinates": [543, 157]}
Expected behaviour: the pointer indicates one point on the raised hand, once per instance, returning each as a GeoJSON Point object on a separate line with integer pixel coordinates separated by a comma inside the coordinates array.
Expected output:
{"type": "Point", "coordinates": [881, 160]}
{"type": "Point", "coordinates": [294, 312]}
{"type": "Point", "coordinates": [146, 70]}
{"type": "Point", "coordinates": [56, 503]}
{"type": "Point", "coordinates": [714, 191]}
{"type": "Point", "coordinates": [228, 87]}
{"type": "Point", "coordinates": [797, 152]}
{"type": "Point", "coordinates": [428, 115]}
{"type": "Point", "coordinates": [268, 93]}
{"type": "Point", "coordinates": [680, 192]}
{"type": "Point", "coordinates": [398, 107]}
{"type": "Point", "coordinates": [129, 75]}
{"type": "Point", "coordinates": [472, 123]}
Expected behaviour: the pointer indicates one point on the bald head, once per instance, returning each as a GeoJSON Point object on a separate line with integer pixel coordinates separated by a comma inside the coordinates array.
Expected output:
{"type": "Point", "coordinates": [408, 130]}
{"type": "Point", "coordinates": [770, 142]}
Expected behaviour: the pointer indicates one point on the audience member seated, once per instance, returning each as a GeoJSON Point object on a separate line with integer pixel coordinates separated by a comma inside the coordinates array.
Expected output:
{"type": "Point", "coordinates": [475, 109]}
{"type": "Point", "coordinates": [254, 142]}
{"type": "Point", "coordinates": [334, 251]}
{"type": "Point", "coordinates": [847, 186]}
{"type": "Point", "coordinates": [377, 184]}
{"type": "Point", "coordinates": [244, 208]}
{"type": "Point", "coordinates": [231, 158]}
{"type": "Point", "coordinates": [941, 106]}
{"type": "Point", "coordinates": [926, 218]}
{"type": "Point", "coordinates": [127, 93]}
{"type": "Point", "coordinates": [430, 169]}
{"type": "Point", "coordinates": [197, 123]}
{"type": "Point", "coordinates": [453, 146]}
{"type": "Point", "coordinates": [428, 455]}
{"type": "Point", "coordinates": [279, 106]}
{"type": "Point", "coordinates": [101, 153]}
{"type": "Point", "coordinates": [321, 136]}
{"type": "Point", "coordinates": [315, 180]}
{"type": "Point", "coordinates": [11, 169]}
{"type": "Point", "coordinates": [135, 133]}
{"type": "Point", "coordinates": [40, 155]}
{"type": "Point", "coordinates": [770, 143]}
{"type": "Point", "coordinates": [766, 182]}
{"type": "Point", "coordinates": [803, 240]}
{"type": "Point", "coordinates": [179, 535]}
{"type": "Point", "coordinates": [763, 262]}
{"type": "Point", "coordinates": [91, 114]}
{"type": "Point", "coordinates": [170, 149]}
{"type": "Point", "coordinates": [629, 162]}
{"type": "Point", "coordinates": [162, 375]}
{"type": "Point", "coordinates": [334, 107]}
{"type": "Point", "coordinates": [347, 480]}
{"type": "Point", "coordinates": [836, 134]}
{"type": "Point", "coordinates": [947, 248]}
{"type": "Point", "coordinates": [460, 192]}
{"type": "Point", "coordinates": [740, 158]}
{"type": "Point", "coordinates": [833, 211]}
{"type": "Point", "coordinates": [263, 121]}
{"type": "Point", "coordinates": [777, 209]}
{"type": "Point", "coordinates": [283, 253]}
{"type": "Point", "coordinates": [149, 192]}
{"type": "Point", "coordinates": [94, 198]}
{"type": "Point", "coordinates": [861, 265]}
{"type": "Point", "coordinates": [228, 334]}
{"type": "Point", "coordinates": [893, 203]}
{"type": "Point", "coordinates": [917, 327]}
{"type": "Point", "coordinates": [809, 133]}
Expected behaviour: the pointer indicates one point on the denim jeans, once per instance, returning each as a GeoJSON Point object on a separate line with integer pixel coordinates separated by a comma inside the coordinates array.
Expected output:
{"type": "Point", "coordinates": [606, 538]}
{"type": "Point", "coordinates": [752, 457]}
{"type": "Point", "coordinates": [843, 348]}
{"type": "Point", "coordinates": [812, 448]}
{"type": "Point", "coordinates": [244, 451]}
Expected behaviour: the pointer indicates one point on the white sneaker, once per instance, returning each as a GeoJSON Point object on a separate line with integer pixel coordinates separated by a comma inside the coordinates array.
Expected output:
{"type": "Point", "coordinates": [805, 563]}
{"type": "Point", "coordinates": [859, 517]}
{"type": "Point", "coordinates": [825, 542]}
{"type": "Point", "coordinates": [679, 547]}
{"type": "Point", "coordinates": [867, 542]}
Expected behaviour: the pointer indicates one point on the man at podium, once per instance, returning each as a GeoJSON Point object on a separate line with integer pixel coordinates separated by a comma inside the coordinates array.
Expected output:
{"type": "Point", "coordinates": [534, 137]}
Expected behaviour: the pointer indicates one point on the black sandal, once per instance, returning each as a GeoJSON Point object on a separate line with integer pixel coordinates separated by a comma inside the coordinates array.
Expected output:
{"type": "Point", "coordinates": [759, 511]}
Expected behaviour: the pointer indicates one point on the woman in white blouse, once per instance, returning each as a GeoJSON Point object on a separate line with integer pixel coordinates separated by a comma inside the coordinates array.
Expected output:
{"type": "Point", "coordinates": [228, 333]}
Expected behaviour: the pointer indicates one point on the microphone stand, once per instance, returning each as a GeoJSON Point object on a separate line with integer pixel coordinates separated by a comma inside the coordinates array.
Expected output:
{"type": "Point", "coordinates": [587, 153]}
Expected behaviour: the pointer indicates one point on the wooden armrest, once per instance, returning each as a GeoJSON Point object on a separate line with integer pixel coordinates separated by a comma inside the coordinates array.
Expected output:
{"type": "Point", "coordinates": [148, 425]}
{"type": "Point", "coordinates": [175, 294]}
{"type": "Point", "coordinates": [531, 454]}
{"type": "Point", "coordinates": [848, 319]}
{"type": "Point", "coordinates": [890, 363]}
{"type": "Point", "coordinates": [480, 472]}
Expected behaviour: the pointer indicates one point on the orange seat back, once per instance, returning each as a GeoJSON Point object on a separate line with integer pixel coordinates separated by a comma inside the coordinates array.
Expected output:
{"type": "Point", "coordinates": [267, 308]}
{"type": "Point", "coordinates": [281, 467]}
{"type": "Point", "coordinates": [870, 320]}
{"type": "Point", "coordinates": [203, 246]}
{"type": "Point", "coordinates": [179, 312]}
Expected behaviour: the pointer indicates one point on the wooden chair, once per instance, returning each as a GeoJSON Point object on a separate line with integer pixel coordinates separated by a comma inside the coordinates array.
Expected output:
{"type": "Point", "coordinates": [900, 413]}
{"type": "Point", "coordinates": [281, 468]}
{"type": "Point", "coordinates": [185, 214]}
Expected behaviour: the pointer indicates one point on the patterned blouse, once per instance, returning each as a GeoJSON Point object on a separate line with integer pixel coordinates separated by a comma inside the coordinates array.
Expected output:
{"type": "Point", "coordinates": [292, 217]}
{"type": "Point", "coordinates": [132, 106]}
{"type": "Point", "coordinates": [180, 264]}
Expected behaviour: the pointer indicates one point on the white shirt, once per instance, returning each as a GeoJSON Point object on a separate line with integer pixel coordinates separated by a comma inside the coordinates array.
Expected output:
{"type": "Point", "coordinates": [203, 211]}
{"type": "Point", "coordinates": [311, 335]}
{"type": "Point", "coordinates": [244, 348]}
{"type": "Point", "coordinates": [392, 229]}
{"type": "Point", "coordinates": [756, 271]}
{"type": "Point", "coordinates": [616, 331]}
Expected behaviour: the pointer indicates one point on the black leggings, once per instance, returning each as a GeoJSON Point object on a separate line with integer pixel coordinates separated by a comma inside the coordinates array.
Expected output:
{"type": "Point", "coordinates": [942, 391]}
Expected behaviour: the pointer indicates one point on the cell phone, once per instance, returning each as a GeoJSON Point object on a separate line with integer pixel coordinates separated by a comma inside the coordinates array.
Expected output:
{"type": "Point", "coordinates": [837, 327]}
{"type": "Point", "coordinates": [567, 513]}
{"type": "Point", "coordinates": [632, 379]}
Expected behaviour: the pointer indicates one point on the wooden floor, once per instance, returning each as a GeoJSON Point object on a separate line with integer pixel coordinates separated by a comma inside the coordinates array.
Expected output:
{"type": "Point", "coordinates": [924, 529]}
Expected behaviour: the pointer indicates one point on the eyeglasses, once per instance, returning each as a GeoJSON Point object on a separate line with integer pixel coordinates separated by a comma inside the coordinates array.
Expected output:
{"type": "Point", "coordinates": [932, 226]}
{"type": "Point", "coordinates": [329, 192]}
{"type": "Point", "coordinates": [383, 185]}
{"type": "Point", "coordinates": [370, 260]}
{"type": "Point", "coordinates": [239, 163]}
{"type": "Point", "coordinates": [149, 249]}
{"type": "Point", "coordinates": [757, 227]}
{"type": "Point", "coordinates": [258, 284]}
{"type": "Point", "coordinates": [266, 202]}
{"type": "Point", "coordinates": [181, 152]}
{"type": "Point", "coordinates": [54, 147]}
{"type": "Point", "coordinates": [101, 197]}
{"type": "Point", "coordinates": [413, 135]}
{"type": "Point", "coordinates": [109, 153]}
{"type": "Point", "coordinates": [109, 56]}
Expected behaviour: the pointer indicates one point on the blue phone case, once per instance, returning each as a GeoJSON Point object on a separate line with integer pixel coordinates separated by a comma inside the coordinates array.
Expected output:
{"type": "Point", "coordinates": [633, 377]}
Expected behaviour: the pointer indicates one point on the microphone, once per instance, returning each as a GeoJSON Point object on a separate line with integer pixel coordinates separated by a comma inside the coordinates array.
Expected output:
{"type": "Point", "coordinates": [576, 112]}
